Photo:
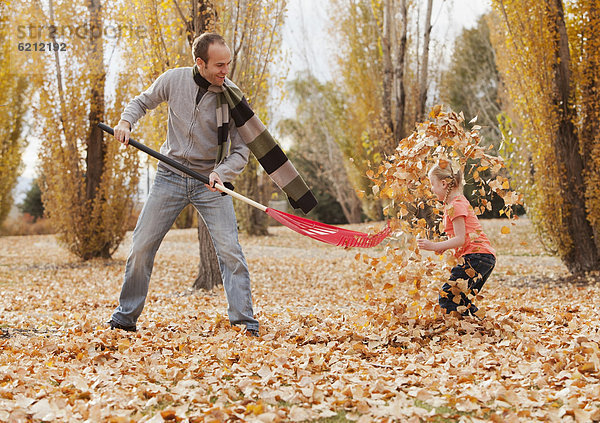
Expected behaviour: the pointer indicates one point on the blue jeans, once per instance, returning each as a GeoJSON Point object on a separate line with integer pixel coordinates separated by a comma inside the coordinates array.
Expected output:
{"type": "Point", "coordinates": [170, 194]}
{"type": "Point", "coordinates": [482, 264]}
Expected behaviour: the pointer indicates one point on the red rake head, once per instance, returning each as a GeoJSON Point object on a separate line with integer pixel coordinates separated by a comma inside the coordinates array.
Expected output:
{"type": "Point", "coordinates": [327, 233]}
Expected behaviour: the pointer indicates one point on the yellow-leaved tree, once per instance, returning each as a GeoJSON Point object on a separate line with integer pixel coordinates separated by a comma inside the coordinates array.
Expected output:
{"type": "Point", "coordinates": [88, 185]}
{"type": "Point", "coordinates": [383, 75]}
{"type": "Point", "coordinates": [13, 91]}
{"type": "Point", "coordinates": [548, 54]}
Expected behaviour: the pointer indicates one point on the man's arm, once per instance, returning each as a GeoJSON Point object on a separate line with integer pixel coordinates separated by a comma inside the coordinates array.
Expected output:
{"type": "Point", "coordinates": [149, 99]}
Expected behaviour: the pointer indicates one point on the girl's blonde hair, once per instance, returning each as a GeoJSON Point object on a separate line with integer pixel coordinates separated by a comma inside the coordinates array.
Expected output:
{"type": "Point", "coordinates": [446, 173]}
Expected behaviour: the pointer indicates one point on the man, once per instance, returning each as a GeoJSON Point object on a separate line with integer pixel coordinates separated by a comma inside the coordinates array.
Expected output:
{"type": "Point", "coordinates": [199, 136]}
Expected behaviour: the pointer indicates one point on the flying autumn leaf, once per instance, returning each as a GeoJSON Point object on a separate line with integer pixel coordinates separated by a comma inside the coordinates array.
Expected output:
{"type": "Point", "coordinates": [402, 184]}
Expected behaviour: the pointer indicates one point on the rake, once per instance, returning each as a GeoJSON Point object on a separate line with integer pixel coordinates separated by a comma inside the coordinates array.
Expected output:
{"type": "Point", "coordinates": [319, 231]}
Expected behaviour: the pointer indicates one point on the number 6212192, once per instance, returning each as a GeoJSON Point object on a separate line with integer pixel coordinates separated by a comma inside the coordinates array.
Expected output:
{"type": "Point", "coordinates": [42, 47]}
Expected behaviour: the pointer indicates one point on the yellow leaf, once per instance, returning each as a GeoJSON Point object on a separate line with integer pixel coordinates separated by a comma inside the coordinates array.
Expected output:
{"type": "Point", "coordinates": [587, 367]}
{"type": "Point", "coordinates": [505, 230]}
{"type": "Point", "coordinates": [255, 409]}
{"type": "Point", "coordinates": [124, 343]}
{"type": "Point", "coordinates": [471, 272]}
{"type": "Point", "coordinates": [435, 111]}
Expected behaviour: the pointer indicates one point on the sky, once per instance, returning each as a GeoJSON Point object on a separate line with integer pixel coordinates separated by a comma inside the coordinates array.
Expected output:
{"type": "Point", "coordinates": [315, 52]}
{"type": "Point", "coordinates": [309, 44]}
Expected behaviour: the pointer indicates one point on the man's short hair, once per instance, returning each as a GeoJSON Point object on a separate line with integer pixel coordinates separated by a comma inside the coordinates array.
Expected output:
{"type": "Point", "coordinates": [203, 42]}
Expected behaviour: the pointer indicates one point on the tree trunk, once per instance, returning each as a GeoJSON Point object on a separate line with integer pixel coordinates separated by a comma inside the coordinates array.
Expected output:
{"type": "Point", "coordinates": [352, 210]}
{"type": "Point", "coordinates": [203, 18]}
{"type": "Point", "coordinates": [338, 185]}
{"type": "Point", "coordinates": [399, 75]}
{"type": "Point", "coordinates": [583, 255]}
{"type": "Point", "coordinates": [590, 89]}
{"type": "Point", "coordinates": [95, 144]}
{"type": "Point", "coordinates": [96, 149]}
{"type": "Point", "coordinates": [386, 41]}
{"type": "Point", "coordinates": [251, 220]}
{"type": "Point", "coordinates": [185, 220]}
{"type": "Point", "coordinates": [589, 132]}
{"type": "Point", "coordinates": [209, 273]}
{"type": "Point", "coordinates": [12, 146]}
{"type": "Point", "coordinates": [70, 141]}
{"type": "Point", "coordinates": [424, 65]}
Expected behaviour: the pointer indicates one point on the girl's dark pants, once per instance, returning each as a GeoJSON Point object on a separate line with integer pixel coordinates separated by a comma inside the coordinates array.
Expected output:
{"type": "Point", "coordinates": [482, 264]}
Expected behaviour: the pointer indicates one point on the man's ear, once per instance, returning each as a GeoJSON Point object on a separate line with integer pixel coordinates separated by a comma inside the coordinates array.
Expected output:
{"type": "Point", "coordinates": [200, 62]}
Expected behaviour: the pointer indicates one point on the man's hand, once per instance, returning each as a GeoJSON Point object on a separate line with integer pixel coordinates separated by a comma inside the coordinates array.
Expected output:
{"type": "Point", "coordinates": [122, 131]}
{"type": "Point", "coordinates": [214, 178]}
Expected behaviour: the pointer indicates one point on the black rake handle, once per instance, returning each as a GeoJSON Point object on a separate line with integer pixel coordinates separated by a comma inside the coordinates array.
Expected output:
{"type": "Point", "coordinates": [226, 188]}
{"type": "Point", "coordinates": [158, 156]}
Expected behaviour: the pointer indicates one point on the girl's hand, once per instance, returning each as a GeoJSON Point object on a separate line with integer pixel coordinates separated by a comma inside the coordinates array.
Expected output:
{"type": "Point", "coordinates": [425, 244]}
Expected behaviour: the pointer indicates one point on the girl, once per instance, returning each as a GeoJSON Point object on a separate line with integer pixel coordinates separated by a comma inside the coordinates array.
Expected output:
{"type": "Point", "coordinates": [465, 235]}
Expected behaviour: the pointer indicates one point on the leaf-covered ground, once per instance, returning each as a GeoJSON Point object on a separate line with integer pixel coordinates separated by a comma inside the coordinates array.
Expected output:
{"type": "Point", "coordinates": [334, 346]}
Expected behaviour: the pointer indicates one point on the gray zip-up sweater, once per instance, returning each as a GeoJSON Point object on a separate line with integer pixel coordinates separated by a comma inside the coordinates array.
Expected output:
{"type": "Point", "coordinates": [192, 128]}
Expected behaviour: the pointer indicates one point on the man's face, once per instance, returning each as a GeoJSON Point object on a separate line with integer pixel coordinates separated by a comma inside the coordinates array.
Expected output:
{"type": "Point", "coordinates": [219, 59]}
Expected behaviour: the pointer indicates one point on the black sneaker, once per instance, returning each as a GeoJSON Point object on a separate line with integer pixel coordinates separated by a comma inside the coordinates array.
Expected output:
{"type": "Point", "coordinates": [115, 325]}
{"type": "Point", "coordinates": [253, 332]}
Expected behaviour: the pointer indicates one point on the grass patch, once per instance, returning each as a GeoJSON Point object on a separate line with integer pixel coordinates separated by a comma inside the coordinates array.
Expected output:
{"type": "Point", "coordinates": [159, 406]}
{"type": "Point", "coordinates": [340, 417]}
{"type": "Point", "coordinates": [282, 403]}
{"type": "Point", "coordinates": [442, 411]}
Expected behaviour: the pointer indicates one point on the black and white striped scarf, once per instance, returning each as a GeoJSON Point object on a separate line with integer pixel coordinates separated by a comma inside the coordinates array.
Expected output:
{"type": "Point", "coordinates": [231, 102]}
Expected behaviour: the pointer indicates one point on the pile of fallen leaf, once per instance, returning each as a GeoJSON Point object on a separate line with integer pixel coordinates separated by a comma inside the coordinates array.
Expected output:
{"type": "Point", "coordinates": [335, 345]}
